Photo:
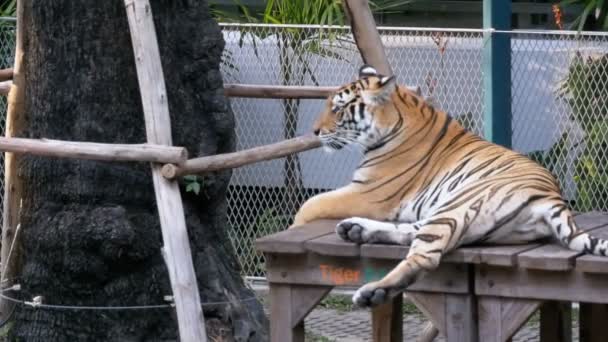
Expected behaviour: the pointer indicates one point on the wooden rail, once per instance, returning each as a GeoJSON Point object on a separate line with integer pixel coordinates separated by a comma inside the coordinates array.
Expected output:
{"type": "Point", "coordinates": [95, 151]}
{"type": "Point", "coordinates": [6, 74]}
{"type": "Point", "coordinates": [277, 92]}
{"type": "Point", "coordinates": [240, 158]}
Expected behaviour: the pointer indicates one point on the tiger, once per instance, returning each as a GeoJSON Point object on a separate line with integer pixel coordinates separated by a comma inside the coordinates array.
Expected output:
{"type": "Point", "coordinates": [428, 183]}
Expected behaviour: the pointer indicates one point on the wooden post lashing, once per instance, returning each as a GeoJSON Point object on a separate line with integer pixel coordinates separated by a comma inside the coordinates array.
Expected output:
{"type": "Point", "coordinates": [13, 184]}
{"type": "Point", "coordinates": [170, 208]}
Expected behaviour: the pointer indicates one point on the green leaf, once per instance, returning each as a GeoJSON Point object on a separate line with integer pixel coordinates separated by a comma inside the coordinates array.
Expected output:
{"type": "Point", "coordinates": [191, 178]}
{"type": "Point", "coordinates": [194, 187]}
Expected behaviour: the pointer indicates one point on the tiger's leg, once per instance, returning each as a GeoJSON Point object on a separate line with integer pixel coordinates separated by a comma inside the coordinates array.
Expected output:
{"type": "Point", "coordinates": [337, 204]}
{"type": "Point", "coordinates": [430, 243]}
{"type": "Point", "coordinates": [363, 230]}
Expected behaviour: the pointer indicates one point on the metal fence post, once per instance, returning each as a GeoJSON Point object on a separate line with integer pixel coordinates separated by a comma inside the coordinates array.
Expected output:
{"type": "Point", "coordinates": [496, 66]}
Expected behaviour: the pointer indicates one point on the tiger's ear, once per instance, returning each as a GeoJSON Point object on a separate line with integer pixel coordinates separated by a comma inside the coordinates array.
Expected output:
{"type": "Point", "coordinates": [367, 70]}
{"type": "Point", "coordinates": [415, 89]}
{"type": "Point", "coordinates": [386, 86]}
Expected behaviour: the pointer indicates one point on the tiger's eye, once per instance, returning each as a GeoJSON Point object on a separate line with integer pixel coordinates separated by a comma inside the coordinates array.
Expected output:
{"type": "Point", "coordinates": [335, 109]}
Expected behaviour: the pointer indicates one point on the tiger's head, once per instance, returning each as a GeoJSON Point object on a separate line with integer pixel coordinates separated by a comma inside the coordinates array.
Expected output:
{"type": "Point", "coordinates": [361, 112]}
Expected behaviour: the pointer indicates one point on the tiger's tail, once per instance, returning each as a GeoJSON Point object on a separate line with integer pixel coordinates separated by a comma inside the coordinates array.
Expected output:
{"type": "Point", "coordinates": [564, 227]}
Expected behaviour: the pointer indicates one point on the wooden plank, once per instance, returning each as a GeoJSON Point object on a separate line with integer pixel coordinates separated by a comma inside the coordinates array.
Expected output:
{"type": "Point", "coordinates": [500, 318]}
{"type": "Point", "coordinates": [515, 313]}
{"type": "Point", "coordinates": [303, 301]}
{"type": "Point", "coordinates": [16, 120]}
{"type": "Point", "coordinates": [176, 249]}
{"type": "Point", "coordinates": [592, 264]}
{"type": "Point", "coordinates": [569, 286]}
{"type": "Point", "coordinates": [315, 269]}
{"type": "Point", "coordinates": [331, 244]}
{"type": "Point", "coordinates": [460, 318]}
{"type": "Point", "coordinates": [432, 306]}
{"type": "Point", "coordinates": [593, 319]}
{"type": "Point", "coordinates": [277, 92]}
{"type": "Point", "coordinates": [556, 322]}
{"type": "Point", "coordinates": [241, 158]}
{"type": "Point", "coordinates": [387, 321]}
{"type": "Point", "coordinates": [489, 255]}
{"type": "Point", "coordinates": [95, 151]}
{"type": "Point", "coordinates": [366, 35]}
{"type": "Point", "coordinates": [548, 257]}
{"type": "Point", "coordinates": [490, 319]}
{"type": "Point", "coordinates": [293, 240]}
{"type": "Point", "coordinates": [281, 315]}
{"type": "Point", "coordinates": [394, 252]}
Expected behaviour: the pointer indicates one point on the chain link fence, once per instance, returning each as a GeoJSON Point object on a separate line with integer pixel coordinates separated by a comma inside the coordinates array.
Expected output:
{"type": "Point", "coordinates": [559, 107]}
{"type": "Point", "coordinates": [560, 110]}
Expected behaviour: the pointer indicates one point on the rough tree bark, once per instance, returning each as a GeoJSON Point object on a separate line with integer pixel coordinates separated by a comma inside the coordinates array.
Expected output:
{"type": "Point", "coordinates": [90, 229]}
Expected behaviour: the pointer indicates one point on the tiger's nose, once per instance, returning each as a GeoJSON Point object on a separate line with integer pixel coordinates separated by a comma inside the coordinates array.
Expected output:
{"type": "Point", "coordinates": [317, 131]}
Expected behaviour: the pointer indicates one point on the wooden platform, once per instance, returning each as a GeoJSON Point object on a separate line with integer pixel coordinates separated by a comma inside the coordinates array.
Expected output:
{"type": "Point", "coordinates": [477, 294]}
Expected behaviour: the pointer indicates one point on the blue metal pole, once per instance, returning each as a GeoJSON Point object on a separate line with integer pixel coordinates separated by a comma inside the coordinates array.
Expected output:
{"type": "Point", "coordinates": [496, 64]}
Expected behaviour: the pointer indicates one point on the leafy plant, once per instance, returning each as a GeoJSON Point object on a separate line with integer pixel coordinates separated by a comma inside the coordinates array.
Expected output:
{"type": "Point", "coordinates": [8, 8]}
{"type": "Point", "coordinates": [584, 89]}
{"type": "Point", "coordinates": [594, 14]}
{"type": "Point", "coordinates": [193, 183]}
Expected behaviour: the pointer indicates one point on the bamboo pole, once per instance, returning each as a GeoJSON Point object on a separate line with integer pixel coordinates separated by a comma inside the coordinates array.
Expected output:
{"type": "Point", "coordinates": [277, 92]}
{"type": "Point", "coordinates": [366, 35]}
{"type": "Point", "coordinates": [95, 151]}
{"type": "Point", "coordinates": [240, 158]}
{"type": "Point", "coordinates": [176, 249]}
{"type": "Point", "coordinates": [13, 184]}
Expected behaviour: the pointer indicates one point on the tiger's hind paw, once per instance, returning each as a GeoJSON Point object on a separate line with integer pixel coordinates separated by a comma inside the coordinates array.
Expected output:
{"type": "Point", "coordinates": [369, 296]}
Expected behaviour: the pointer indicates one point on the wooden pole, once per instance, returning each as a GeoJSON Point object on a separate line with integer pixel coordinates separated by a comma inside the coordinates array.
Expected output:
{"type": "Point", "coordinates": [13, 184]}
{"type": "Point", "coordinates": [240, 158]}
{"type": "Point", "coordinates": [277, 92]}
{"type": "Point", "coordinates": [6, 74]}
{"type": "Point", "coordinates": [496, 64]}
{"type": "Point", "coordinates": [176, 250]}
{"type": "Point", "coordinates": [366, 35]}
{"type": "Point", "coordinates": [95, 151]}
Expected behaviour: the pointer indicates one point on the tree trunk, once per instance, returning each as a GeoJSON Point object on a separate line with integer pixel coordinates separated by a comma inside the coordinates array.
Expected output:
{"type": "Point", "coordinates": [90, 230]}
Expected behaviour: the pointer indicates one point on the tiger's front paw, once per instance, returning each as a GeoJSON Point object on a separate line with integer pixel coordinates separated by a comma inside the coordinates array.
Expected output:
{"type": "Point", "coordinates": [351, 230]}
{"type": "Point", "coordinates": [370, 295]}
